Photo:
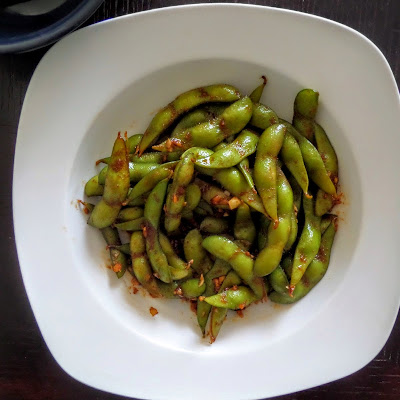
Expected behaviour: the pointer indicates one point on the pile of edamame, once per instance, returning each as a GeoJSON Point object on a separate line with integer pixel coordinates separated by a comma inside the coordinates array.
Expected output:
{"type": "Point", "coordinates": [225, 202]}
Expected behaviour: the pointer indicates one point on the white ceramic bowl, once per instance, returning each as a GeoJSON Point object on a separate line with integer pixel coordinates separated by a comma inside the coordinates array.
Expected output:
{"type": "Point", "coordinates": [112, 77]}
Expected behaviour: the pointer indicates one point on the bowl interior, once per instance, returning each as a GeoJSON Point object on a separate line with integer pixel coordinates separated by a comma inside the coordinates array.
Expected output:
{"type": "Point", "coordinates": [176, 326]}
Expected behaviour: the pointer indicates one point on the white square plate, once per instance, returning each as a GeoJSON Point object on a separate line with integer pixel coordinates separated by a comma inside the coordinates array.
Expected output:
{"type": "Point", "coordinates": [110, 77]}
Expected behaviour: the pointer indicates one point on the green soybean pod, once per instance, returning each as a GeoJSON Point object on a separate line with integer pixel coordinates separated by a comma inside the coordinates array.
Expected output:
{"type": "Point", "coordinates": [229, 251]}
{"type": "Point", "coordinates": [209, 134]}
{"type": "Point", "coordinates": [133, 225]}
{"type": "Point", "coordinates": [294, 227]}
{"type": "Point", "coordinates": [213, 195]}
{"type": "Point", "coordinates": [115, 188]}
{"type": "Point", "coordinates": [218, 315]}
{"type": "Point", "coordinates": [152, 214]}
{"type": "Point", "coordinates": [192, 288]}
{"type": "Point", "coordinates": [219, 269]}
{"type": "Point", "coordinates": [287, 265]}
{"type": "Point", "coordinates": [232, 180]}
{"type": "Point", "coordinates": [308, 244]}
{"type": "Point", "coordinates": [236, 298]}
{"type": "Point", "coordinates": [244, 168]}
{"type": "Point", "coordinates": [262, 238]}
{"type": "Point", "coordinates": [194, 251]}
{"type": "Point", "coordinates": [192, 197]}
{"type": "Point", "coordinates": [230, 155]}
{"type": "Point", "coordinates": [313, 161]}
{"type": "Point", "coordinates": [244, 228]}
{"type": "Point", "coordinates": [173, 259]}
{"type": "Point", "coordinates": [214, 225]}
{"type": "Point", "coordinates": [193, 118]}
{"type": "Point", "coordinates": [154, 158]}
{"type": "Point", "coordinates": [183, 103]}
{"type": "Point", "coordinates": [150, 180]}
{"type": "Point", "coordinates": [93, 188]}
{"type": "Point", "coordinates": [176, 196]}
{"type": "Point", "coordinates": [132, 143]}
{"type": "Point", "coordinates": [119, 261]}
{"type": "Point", "coordinates": [270, 256]}
{"type": "Point", "coordinates": [130, 213]}
{"type": "Point", "coordinates": [279, 281]}
{"type": "Point", "coordinates": [324, 201]}
{"type": "Point", "coordinates": [136, 171]}
{"type": "Point", "coordinates": [305, 109]}
{"type": "Point", "coordinates": [140, 264]}
{"type": "Point", "coordinates": [293, 160]}
{"type": "Point", "coordinates": [265, 165]}
{"type": "Point", "coordinates": [123, 248]}
{"type": "Point", "coordinates": [315, 271]}
{"type": "Point", "coordinates": [326, 220]}
{"type": "Point", "coordinates": [203, 208]}
{"type": "Point", "coordinates": [256, 94]}
{"type": "Point", "coordinates": [263, 116]}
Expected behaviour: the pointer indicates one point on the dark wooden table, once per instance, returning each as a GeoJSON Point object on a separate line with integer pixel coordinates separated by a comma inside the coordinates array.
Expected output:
{"type": "Point", "coordinates": [27, 369]}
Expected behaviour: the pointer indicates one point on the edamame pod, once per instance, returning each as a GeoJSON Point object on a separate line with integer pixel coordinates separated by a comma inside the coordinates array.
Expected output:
{"type": "Point", "coordinates": [173, 259]}
{"type": "Point", "coordinates": [119, 261]}
{"type": "Point", "coordinates": [124, 248]}
{"type": "Point", "coordinates": [149, 181]}
{"type": "Point", "coordinates": [232, 180]}
{"type": "Point", "coordinates": [244, 228]}
{"type": "Point", "coordinates": [133, 225]}
{"type": "Point", "coordinates": [93, 188]}
{"type": "Point", "coordinates": [214, 195]}
{"type": "Point", "coordinates": [140, 264]}
{"type": "Point", "coordinates": [263, 232]}
{"type": "Point", "coordinates": [270, 256]}
{"type": "Point", "coordinates": [183, 103]}
{"type": "Point", "coordinates": [192, 197]}
{"type": "Point", "coordinates": [256, 94]}
{"type": "Point", "coordinates": [293, 160]}
{"type": "Point", "coordinates": [152, 214]}
{"type": "Point", "coordinates": [240, 260]}
{"type": "Point", "coordinates": [326, 220]}
{"type": "Point", "coordinates": [115, 188]}
{"type": "Point", "coordinates": [209, 134]}
{"type": "Point", "coordinates": [154, 158]}
{"type": "Point", "coordinates": [236, 298]}
{"type": "Point", "coordinates": [192, 288]}
{"type": "Point", "coordinates": [305, 109]}
{"type": "Point", "coordinates": [176, 196]}
{"type": "Point", "coordinates": [214, 225]}
{"type": "Point", "coordinates": [309, 242]}
{"type": "Point", "coordinates": [313, 161]}
{"type": "Point", "coordinates": [132, 142]}
{"type": "Point", "coordinates": [324, 201]}
{"type": "Point", "coordinates": [193, 118]}
{"type": "Point", "coordinates": [263, 116]}
{"type": "Point", "coordinates": [130, 213]}
{"type": "Point", "coordinates": [315, 271]}
{"type": "Point", "coordinates": [136, 171]}
{"type": "Point", "coordinates": [218, 315]}
{"type": "Point", "coordinates": [269, 145]}
{"type": "Point", "coordinates": [218, 271]}
{"type": "Point", "coordinates": [279, 281]}
{"type": "Point", "coordinates": [294, 227]}
{"type": "Point", "coordinates": [243, 146]}
{"type": "Point", "coordinates": [194, 251]}
{"type": "Point", "coordinates": [244, 168]}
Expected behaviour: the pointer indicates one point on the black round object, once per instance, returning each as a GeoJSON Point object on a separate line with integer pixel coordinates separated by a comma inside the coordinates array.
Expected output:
{"type": "Point", "coordinates": [28, 25]}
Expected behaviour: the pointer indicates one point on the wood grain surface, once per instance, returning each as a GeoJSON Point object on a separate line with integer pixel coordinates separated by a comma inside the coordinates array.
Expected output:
{"type": "Point", "coordinates": [27, 369]}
